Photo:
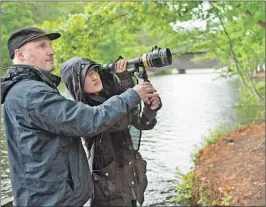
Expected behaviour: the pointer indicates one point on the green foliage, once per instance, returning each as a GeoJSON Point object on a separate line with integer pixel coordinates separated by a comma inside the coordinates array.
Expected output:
{"type": "Point", "coordinates": [206, 200]}
{"type": "Point", "coordinates": [19, 14]}
{"type": "Point", "coordinates": [11, 17]}
{"type": "Point", "coordinates": [226, 199]}
{"type": "Point", "coordinates": [184, 190]}
{"type": "Point", "coordinates": [215, 135]}
{"type": "Point", "coordinates": [235, 36]}
{"type": "Point", "coordinates": [104, 30]}
{"type": "Point", "coordinates": [251, 111]}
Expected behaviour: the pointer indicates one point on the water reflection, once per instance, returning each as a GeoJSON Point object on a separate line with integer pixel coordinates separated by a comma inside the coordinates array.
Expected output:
{"type": "Point", "coordinates": [192, 104]}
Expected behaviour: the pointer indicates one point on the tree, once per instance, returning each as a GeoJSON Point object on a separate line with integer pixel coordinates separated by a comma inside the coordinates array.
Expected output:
{"type": "Point", "coordinates": [106, 30]}
{"type": "Point", "coordinates": [18, 14]}
{"type": "Point", "coordinates": [237, 38]}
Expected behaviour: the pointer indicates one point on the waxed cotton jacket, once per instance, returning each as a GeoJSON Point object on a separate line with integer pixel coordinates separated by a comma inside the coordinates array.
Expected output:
{"type": "Point", "coordinates": [48, 165]}
{"type": "Point", "coordinates": [119, 171]}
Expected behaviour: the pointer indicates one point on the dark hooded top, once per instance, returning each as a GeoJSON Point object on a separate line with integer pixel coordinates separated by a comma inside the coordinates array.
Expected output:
{"type": "Point", "coordinates": [118, 170]}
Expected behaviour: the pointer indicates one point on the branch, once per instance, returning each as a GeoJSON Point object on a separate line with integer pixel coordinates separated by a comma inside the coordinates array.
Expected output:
{"type": "Point", "coordinates": [261, 23]}
{"type": "Point", "coordinates": [119, 16]}
{"type": "Point", "coordinates": [234, 55]}
{"type": "Point", "coordinates": [251, 80]}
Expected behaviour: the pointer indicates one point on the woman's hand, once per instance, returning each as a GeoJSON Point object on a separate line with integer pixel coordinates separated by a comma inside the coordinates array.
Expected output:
{"type": "Point", "coordinates": [145, 91]}
{"type": "Point", "coordinates": [155, 102]}
{"type": "Point", "coordinates": [120, 65]}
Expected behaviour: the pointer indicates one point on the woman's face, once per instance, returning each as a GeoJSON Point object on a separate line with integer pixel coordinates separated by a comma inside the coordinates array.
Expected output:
{"type": "Point", "coordinates": [93, 83]}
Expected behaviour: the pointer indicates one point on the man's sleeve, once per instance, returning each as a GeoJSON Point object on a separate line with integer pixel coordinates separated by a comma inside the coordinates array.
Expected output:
{"type": "Point", "coordinates": [52, 112]}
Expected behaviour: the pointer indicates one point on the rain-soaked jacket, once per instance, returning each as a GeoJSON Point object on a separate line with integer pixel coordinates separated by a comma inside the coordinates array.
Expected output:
{"type": "Point", "coordinates": [118, 170]}
{"type": "Point", "coordinates": [48, 165]}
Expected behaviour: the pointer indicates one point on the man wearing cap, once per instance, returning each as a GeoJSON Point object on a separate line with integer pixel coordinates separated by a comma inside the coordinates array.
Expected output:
{"type": "Point", "coordinates": [48, 165]}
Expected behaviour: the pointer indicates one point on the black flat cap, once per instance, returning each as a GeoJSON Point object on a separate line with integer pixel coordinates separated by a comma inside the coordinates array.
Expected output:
{"type": "Point", "coordinates": [22, 36]}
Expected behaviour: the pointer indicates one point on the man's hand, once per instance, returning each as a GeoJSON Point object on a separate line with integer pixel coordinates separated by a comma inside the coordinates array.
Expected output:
{"type": "Point", "coordinates": [155, 103]}
{"type": "Point", "coordinates": [145, 91]}
{"type": "Point", "coordinates": [120, 66]}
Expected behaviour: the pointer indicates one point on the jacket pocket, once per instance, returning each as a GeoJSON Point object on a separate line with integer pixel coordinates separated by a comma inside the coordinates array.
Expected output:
{"type": "Point", "coordinates": [141, 169]}
{"type": "Point", "coordinates": [107, 184]}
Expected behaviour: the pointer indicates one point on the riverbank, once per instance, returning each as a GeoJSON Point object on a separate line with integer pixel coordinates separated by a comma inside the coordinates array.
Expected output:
{"type": "Point", "coordinates": [231, 171]}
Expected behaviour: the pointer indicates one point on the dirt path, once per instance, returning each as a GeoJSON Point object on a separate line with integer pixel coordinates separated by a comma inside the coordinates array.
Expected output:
{"type": "Point", "coordinates": [234, 166]}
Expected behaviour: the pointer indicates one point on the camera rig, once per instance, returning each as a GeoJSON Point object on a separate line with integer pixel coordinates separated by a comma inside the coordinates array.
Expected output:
{"type": "Point", "coordinates": [158, 57]}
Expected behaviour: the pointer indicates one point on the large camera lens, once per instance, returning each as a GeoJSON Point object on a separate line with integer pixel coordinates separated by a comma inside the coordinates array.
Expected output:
{"type": "Point", "coordinates": [158, 58]}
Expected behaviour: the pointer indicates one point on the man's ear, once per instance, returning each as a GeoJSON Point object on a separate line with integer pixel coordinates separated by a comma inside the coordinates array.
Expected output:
{"type": "Point", "coordinates": [19, 55]}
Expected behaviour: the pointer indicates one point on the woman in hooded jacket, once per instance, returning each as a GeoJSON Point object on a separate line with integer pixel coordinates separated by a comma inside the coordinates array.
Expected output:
{"type": "Point", "coordinates": [118, 170]}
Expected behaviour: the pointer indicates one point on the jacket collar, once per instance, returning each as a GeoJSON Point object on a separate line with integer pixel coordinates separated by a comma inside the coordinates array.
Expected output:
{"type": "Point", "coordinates": [17, 70]}
{"type": "Point", "coordinates": [17, 73]}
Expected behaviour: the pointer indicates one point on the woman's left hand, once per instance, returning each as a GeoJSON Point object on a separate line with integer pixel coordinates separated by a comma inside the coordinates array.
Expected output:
{"type": "Point", "coordinates": [155, 102]}
{"type": "Point", "coordinates": [120, 65]}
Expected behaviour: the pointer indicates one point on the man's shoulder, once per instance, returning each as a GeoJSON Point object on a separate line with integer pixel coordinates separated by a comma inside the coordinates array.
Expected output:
{"type": "Point", "coordinates": [29, 86]}
{"type": "Point", "coordinates": [25, 89]}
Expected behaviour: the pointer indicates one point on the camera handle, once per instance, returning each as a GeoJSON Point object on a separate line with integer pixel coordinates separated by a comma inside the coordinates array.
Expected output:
{"type": "Point", "coordinates": [143, 74]}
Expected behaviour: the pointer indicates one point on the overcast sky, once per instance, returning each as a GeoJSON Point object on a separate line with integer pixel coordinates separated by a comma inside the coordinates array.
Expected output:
{"type": "Point", "coordinates": [193, 24]}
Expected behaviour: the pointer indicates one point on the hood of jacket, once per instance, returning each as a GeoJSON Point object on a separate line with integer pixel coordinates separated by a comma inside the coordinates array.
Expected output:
{"type": "Point", "coordinates": [73, 73]}
{"type": "Point", "coordinates": [17, 73]}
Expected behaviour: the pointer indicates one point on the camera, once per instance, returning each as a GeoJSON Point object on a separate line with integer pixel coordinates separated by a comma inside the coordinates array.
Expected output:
{"type": "Point", "coordinates": [158, 57]}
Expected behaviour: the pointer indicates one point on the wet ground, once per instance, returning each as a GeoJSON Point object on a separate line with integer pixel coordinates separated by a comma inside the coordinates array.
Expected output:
{"type": "Point", "coordinates": [234, 167]}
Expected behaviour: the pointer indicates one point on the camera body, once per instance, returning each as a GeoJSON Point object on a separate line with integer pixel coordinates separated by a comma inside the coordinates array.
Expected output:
{"type": "Point", "coordinates": [158, 57]}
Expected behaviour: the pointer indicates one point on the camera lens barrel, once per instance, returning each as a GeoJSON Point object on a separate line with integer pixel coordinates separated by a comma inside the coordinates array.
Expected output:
{"type": "Point", "coordinates": [107, 67]}
{"type": "Point", "coordinates": [159, 57]}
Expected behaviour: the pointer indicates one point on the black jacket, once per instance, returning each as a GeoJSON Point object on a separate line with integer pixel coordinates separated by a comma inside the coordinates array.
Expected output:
{"type": "Point", "coordinates": [118, 170]}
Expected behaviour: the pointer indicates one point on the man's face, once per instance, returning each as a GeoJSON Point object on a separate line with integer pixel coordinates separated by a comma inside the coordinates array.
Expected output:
{"type": "Point", "coordinates": [38, 53]}
{"type": "Point", "coordinates": [93, 83]}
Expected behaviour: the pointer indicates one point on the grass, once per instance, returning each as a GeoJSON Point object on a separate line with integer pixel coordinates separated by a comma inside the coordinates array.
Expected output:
{"type": "Point", "coordinates": [184, 190]}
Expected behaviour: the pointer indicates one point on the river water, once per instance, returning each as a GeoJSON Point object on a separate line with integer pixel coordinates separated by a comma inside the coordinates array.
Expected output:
{"type": "Point", "coordinates": [193, 104]}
